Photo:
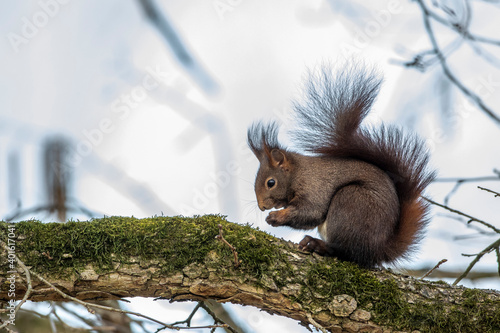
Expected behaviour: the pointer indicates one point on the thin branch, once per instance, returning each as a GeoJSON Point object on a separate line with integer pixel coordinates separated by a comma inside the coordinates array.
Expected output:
{"type": "Point", "coordinates": [427, 58]}
{"type": "Point", "coordinates": [45, 208]}
{"type": "Point", "coordinates": [460, 181]}
{"type": "Point", "coordinates": [89, 307]}
{"type": "Point", "coordinates": [62, 322]}
{"type": "Point", "coordinates": [179, 49]}
{"type": "Point", "coordinates": [315, 323]}
{"type": "Point", "coordinates": [494, 61]}
{"type": "Point", "coordinates": [216, 318]}
{"type": "Point", "coordinates": [497, 252]}
{"type": "Point", "coordinates": [66, 308]}
{"type": "Point", "coordinates": [481, 233]}
{"type": "Point", "coordinates": [491, 191]}
{"type": "Point", "coordinates": [452, 192]}
{"type": "Point", "coordinates": [446, 70]}
{"type": "Point", "coordinates": [9, 330]}
{"type": "Point", "coordinates": [493, 246]}
{"type": "Point", "coordinates": [471, 218]}
{"type": "Point", "coordinates": [434, 268]}
{"type": "Point", "coordinates": [482, 39]}
{"type": "Point", "coordinates": [463, 31]}
{"type": "Point", "coordinates": [466, 180]}
{"type": "Point", "coordinates": [187, 321]}
{"type": "Point", "coordinates": [219, 236]}
{"type": "Point", "coordinates": [29, 289]}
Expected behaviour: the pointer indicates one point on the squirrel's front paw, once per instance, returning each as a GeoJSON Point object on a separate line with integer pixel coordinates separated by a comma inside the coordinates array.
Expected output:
{"type": "Point", "coordinates": [277, 218]}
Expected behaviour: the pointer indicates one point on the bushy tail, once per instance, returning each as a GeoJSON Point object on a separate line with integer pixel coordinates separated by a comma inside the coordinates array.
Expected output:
{"type": "Point", "coordinates": [329, 121]}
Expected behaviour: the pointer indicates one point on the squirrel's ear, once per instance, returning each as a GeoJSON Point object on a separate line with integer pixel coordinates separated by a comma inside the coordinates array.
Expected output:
{"type": "Point", "coordinates": [278, 158]}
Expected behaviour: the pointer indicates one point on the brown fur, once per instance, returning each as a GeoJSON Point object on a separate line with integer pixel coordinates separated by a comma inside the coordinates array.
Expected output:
{"type": "Point", "coordinates": [361, 187]}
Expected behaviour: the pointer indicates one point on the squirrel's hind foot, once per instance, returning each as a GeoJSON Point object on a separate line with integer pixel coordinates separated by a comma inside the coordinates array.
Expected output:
{"type": "Point", "coordinates": [316, 245]}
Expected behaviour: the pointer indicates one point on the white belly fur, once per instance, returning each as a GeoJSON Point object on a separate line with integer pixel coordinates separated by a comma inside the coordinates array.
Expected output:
{"type": "Point", "coordinates": [322, 231]}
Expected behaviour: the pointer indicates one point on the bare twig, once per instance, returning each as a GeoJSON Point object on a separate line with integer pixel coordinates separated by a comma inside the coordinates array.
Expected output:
{"type": "Point", "coordinates": [216, 318]}
{"type": "Point", "coordinates": [91, 322]}
{"type": "Point", "coordinates": [465, 180]}
{"type": "Point", "coordinates": [452, 192]}
{"type": "Point", "coordinates": [482, 39]}
{"type": "Point", "coordinates": [471, 218]}
{"type": "Point", "coordinates": [433, 269]}
{"type": "Point", "coordinates": [187, 321]}
{"type": "Point", "coordinates": [491, 191]}
{"type": "Point", "coordinates": [493, 246]}
{"type": "Point", "coordinates": [8, 330]}
{"type": "Point", "coordinates": [480, 51]}
{"type": "Point", "coordinates": [53, 316]}
{"type": "Point", "coordinates": [29, 288]}
{"type": "Point", "coordinates": [179, 49]}
{"type": "Point", "coordinates": [219, 236]}
{"type": "Point", "coordinates": [463, 29]}
{"type": "Point", "coordinates": [497, 252]}
{"type": "Point", "coordinates": [19, 212]}
{"type": "Point", "coordinates": [89, 307]}
{"type": "Point", "coordinates": [460, 181]}
{"type": "Point", "coordinates": [446, 70]}
{"type": "Point", "coordinates": [315, 323]}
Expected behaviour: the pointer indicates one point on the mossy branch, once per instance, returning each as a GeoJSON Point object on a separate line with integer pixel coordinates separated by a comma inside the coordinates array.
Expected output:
{"type": "Point", "coordinates": [180, 259]}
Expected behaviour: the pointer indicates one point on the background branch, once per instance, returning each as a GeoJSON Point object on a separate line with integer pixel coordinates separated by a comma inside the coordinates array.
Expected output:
{"type": "Point", "coordinates": [160, 21]}
{"type": "Point", "coordinates": [427, 14]}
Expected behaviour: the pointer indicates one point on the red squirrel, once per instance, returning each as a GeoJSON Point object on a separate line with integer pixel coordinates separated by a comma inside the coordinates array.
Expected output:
{"type": "Point", "coordinates": [359, 186]}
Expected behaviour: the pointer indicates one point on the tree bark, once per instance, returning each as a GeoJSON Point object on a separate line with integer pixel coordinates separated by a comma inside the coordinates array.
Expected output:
{"type": "Point", "coordinates": [181, 259]}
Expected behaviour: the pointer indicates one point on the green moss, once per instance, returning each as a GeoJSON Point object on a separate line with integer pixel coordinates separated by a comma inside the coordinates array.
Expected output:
{"type": "Point", "coordinates": [388, 304]}
{"type": "Point", "coordinates": [174, 241]}
{"type": "Point", "coordinates": [257, 251]}
{"type": "Point", "coordinates": [338, 278]}
{"type": "Point", "coordinates": [471, 318]}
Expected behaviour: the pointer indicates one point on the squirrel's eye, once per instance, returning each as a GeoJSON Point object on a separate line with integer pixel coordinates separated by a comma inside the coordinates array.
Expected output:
{"type": "Point", "coordinates": [270, 183]}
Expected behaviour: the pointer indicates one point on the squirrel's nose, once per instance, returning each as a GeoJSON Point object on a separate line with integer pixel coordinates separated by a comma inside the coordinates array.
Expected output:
{"type": "Point", "coordinates": [262, 207]}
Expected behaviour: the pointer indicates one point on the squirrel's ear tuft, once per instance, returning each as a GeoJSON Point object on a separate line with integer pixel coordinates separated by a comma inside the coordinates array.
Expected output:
{"type": "Point", "coordinates": [278, 158]}
{"type": "Point", "coordinates": [263, 138]}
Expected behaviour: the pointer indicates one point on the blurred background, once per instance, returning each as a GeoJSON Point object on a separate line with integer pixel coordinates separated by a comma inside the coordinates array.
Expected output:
{"type": "Point", "coordinates": [140, 108]}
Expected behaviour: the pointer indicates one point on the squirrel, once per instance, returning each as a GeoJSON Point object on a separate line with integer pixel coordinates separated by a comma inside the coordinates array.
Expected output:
{"type": "Point", "coordinates": [360, 186]}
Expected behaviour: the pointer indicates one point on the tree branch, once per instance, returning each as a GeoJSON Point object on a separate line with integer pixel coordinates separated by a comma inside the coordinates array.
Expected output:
{"type": "Point", "coordinates": [179, 49]}
{"type": "Point", "coordinates": [179, 259]}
